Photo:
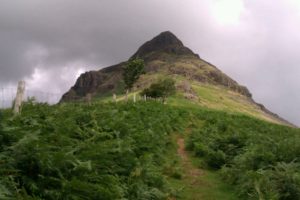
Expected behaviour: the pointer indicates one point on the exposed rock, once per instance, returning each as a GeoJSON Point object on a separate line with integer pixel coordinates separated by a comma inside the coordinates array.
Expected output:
{"type": "Point", "coordinates": [166, 42]}
{"type": "Point", "coordinates": [190, 96]}
{"type": "Point", "coordinates": [185, 86]}
{"type": "Point", "coordinates": [220, 78]}
{"type": "Point", "coordinates": [187, 90]}
{"type": "Point", "coordinates": [95, 83]}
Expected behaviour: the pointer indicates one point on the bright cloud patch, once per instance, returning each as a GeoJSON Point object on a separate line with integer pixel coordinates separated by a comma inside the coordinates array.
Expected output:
{"type": "Point", "coordinates": [227, 12]}
{"type": "Point", "coordinates": [49, 85]}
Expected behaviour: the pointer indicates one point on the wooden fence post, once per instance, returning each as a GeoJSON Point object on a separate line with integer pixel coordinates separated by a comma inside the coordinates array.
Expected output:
{"type": "Point", "coordinates": [89, 98]}
{"type": "Point", "coordinates": [115, 98]}
{"type": "Point", "coordinates": [126, 97]}
{"type": "Point", "coordinates": [145, 98]}
{"type": "Point", "coordinates": [19, 97]}
{"type": "Point", "coordinates": [134, 98]}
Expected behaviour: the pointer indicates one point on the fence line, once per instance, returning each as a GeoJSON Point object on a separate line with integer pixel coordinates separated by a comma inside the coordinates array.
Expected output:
{"type": "Point", "coordinates": [8, 95]}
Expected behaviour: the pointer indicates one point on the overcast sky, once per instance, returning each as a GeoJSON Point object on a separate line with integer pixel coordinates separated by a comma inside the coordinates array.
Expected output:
{"type": "Point", "coordinates": [49, 43]}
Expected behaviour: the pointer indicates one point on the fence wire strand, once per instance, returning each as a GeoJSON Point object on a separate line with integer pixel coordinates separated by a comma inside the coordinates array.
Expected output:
{"type": "Point", "coordinates": [8, 94]}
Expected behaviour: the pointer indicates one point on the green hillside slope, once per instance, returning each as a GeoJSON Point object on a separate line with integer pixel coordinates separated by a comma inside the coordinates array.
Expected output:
{"type": "Point", "coordinates": [136, 151]}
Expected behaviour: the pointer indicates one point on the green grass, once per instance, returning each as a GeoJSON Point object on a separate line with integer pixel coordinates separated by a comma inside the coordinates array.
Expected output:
{"type": "Point", "coordinates": [208, 186]}
{"type": "Point", "coordinates": [217, 189]}
{"type": "Point", "coordinates": [260, 159]}
{"type": "Point", "coordinates": [223, 99]}
{"type": "Point", "coordinates": [211, 188]}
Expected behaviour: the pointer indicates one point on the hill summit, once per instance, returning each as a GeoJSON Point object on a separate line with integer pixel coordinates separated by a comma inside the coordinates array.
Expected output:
{"type": "Point", "coordinates": [165, 42]}
{"type": "Point", "coordinates": [197, 81]}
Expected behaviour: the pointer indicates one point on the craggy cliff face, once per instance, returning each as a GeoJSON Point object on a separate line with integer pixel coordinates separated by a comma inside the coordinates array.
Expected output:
{"type": "Point", "coordinates": [164, 54]}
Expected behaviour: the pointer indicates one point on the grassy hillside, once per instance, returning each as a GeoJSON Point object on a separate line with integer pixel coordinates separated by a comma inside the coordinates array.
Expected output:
{"type": "Point", "coordinates": [130, 151]}
{"type": "Point", "coordinates": [209, 96]}
{"type": "Point", "coordinates": [222, 99]}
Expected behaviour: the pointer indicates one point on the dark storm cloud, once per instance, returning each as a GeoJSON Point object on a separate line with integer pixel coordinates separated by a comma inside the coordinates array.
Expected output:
{"type": "Point", "coordinates": [49, 42]}
{"type": "Point", "coordinates": [55, 34]}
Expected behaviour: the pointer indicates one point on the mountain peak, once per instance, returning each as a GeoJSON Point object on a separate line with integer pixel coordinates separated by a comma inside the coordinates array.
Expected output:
{"type": "Point", "coordinates": [165, 39]}
{"type": "Point", "coordinates": [165, 42]}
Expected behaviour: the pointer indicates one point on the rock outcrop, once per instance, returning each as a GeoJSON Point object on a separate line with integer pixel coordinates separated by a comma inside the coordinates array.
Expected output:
{"type": "Point", "coordinates": [166, 42]}
{"type": "Point", "coordinates": [95, 83]}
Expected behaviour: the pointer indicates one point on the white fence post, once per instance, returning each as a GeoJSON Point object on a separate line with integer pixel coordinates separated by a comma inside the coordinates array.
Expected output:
{"type": "Point", "coordinates": [19, 97]}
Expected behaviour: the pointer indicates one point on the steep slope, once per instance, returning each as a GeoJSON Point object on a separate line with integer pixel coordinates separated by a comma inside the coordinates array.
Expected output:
{"type": "Point", "coordinates": [197, 80]}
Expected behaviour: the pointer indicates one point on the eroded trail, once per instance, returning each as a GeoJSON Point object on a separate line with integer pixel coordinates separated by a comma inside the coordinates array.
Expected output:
{"type": "Point", "coordinates": [191, 174]}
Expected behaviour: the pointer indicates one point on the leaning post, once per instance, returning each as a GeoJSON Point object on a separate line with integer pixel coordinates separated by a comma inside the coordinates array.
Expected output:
{"type": "Point", "coordinates": [19, 97]}
{"type": "Point", "coordinates": [115, 98]}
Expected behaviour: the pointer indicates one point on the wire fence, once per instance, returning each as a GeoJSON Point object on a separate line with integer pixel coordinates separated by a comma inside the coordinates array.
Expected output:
{"type": "Point", "coordinates": [8, 95]}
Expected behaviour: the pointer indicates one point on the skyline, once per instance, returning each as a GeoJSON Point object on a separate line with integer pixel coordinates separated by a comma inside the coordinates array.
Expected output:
{"type": "Point", "coordinates": [49, 44]}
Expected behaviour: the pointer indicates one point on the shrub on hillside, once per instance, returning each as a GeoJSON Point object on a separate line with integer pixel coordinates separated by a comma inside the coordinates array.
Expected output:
{"type": "Point", "coordinates": [160, 89]}
{"type": "Point", "coordinates": [215, 159]}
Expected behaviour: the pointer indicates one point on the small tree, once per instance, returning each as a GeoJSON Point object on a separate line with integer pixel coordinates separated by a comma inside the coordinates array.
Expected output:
{"type": "Point", "coordinates": [132, 71]}
{"type": "Point", "coordinates": [162, 88]}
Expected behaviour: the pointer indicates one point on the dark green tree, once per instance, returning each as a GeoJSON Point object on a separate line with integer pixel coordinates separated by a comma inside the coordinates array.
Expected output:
{"type": "Point", "coordinates": [161, 89]}
{"type": "Point", "coordinates": [132, 71]}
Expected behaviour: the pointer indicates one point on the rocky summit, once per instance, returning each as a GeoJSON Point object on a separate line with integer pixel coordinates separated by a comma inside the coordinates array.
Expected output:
{"type": "Point", "coordinates": [197, 80]}
{"type": "Point", "coordinates": [166, 42]}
